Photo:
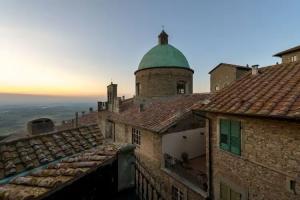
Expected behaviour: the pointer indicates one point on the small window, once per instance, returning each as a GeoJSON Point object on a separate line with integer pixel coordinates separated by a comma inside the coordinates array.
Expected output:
{"type": "Point", "coordinates": [181, 87]}
{"type": "Point", "coordinates": [136, 136]}
{"type": "Point", "coordinates": [226, 193]}
{"type": "Point", "coordinates": [293, 58]}
{"type": "Point", "coordinates": [217, 88]}
{"type": "Point", "coordinates": [176, 193]}
{"type": "Point", "coordinates": [230, 136]}
{"type": "Point", "coordinates": [292, 186]}
{"type": "Point", "coordinates": [138, 89]}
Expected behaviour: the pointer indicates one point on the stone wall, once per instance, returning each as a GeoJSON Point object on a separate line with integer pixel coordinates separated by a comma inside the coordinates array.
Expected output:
{"type": "Point", "coordinates": [160, 82]}
{"type": "Point", "coordinates": [270, 159]}
{"type": "Point", "coordinates": [224, 75]}
{"type": "Point", "coordinates": [150, 155]}
{"type": "Point", "coordinates": [287, 58]}
{"type": "Point", "coordinates": [221, 77]}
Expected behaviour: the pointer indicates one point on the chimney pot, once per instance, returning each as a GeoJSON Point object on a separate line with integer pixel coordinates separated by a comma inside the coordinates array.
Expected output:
{"type": "Point", "coordinates": [255, 69]}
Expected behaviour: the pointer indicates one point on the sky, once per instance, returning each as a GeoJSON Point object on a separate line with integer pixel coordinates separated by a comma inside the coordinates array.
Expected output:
{"type": "Point", "coordinates": [76, 48]}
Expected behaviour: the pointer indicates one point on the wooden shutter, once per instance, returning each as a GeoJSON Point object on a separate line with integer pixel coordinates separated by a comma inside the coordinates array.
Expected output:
{"type": "Point", "coordinates": [224, 134]}
{"type": "Point", "coordinates": [235, 137]}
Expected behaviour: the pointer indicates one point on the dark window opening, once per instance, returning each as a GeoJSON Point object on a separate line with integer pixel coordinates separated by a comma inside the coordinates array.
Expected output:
{"type": "Point", "coordinates": [181, 87]}
{"type": "Point", "coordinates": [136, 137]}
{"type": "Point", "coordinates": [176, 193]}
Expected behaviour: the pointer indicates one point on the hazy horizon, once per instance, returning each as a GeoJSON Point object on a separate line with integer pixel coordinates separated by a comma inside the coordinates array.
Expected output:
{"type": "Point", "coordinates": [21, 99]}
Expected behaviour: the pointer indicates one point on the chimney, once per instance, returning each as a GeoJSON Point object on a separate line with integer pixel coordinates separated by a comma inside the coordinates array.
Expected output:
{"type": "Point", "coordinates": [123, 98]}
{"type": "Point", "coordinates": [76, 119]}
{"type": "Point", "coordinates": [255, 69]}
{"type": "Point", "coordinates": [118, 102]}
{"type": "Point", "coordinates": [91, 109]}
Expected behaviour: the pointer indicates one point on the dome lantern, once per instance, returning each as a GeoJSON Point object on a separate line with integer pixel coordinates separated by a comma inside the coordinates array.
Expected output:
{"type": "Point", "coordinates": [163, 38]}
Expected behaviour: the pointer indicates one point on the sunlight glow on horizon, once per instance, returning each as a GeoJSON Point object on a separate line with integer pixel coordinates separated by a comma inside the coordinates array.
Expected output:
{"type": "Point", "coordinates": [25, 69]}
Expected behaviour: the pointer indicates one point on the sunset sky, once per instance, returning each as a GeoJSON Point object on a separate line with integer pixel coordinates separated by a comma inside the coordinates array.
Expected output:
{"type": "Point", "coordinates": [76, 48]}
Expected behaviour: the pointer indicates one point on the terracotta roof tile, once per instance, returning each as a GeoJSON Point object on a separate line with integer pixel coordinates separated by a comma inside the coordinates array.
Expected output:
{"type": "Point", "coordinates": [40, 182]}
{"type": "Point", "coordinates": [274, 92]}
{"type": "Point", "coordinates": [158, 114]}
{"type": "Point", "coordinates": [27, 153]}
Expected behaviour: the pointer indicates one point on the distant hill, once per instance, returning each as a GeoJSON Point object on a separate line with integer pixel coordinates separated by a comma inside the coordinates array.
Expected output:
{"type": "Point", "coordinates": [13, 118]}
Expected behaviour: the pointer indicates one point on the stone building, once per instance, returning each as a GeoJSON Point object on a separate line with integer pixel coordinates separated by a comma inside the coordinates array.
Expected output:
{"type": "Point", "coordinates": [289, 55]}
{"type": "Point", "coordinates": [253, 134]}
{"type": "Point", "coordinates": [163, 71]}
{"type": "Point", "coordinates": [170, 142]}
{"type": "Point", "coordinates": [224, 74]}
{"type": "Point", "coordinates": [160, 122]}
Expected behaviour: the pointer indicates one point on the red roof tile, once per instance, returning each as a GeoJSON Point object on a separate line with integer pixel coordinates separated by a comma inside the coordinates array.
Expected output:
{"type": "Point", "coordinates": [158, 114]}
{"type": "Point", "coordinates": [40, 183]}
{"type": "Point", "coordinates": [274, 92]}
{"type": "Point", "coordinates": [23, 154]}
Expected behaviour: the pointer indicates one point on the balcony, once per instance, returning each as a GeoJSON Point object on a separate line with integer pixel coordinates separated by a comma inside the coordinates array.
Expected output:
{"type": "Point", "coordinates": [192, 171]}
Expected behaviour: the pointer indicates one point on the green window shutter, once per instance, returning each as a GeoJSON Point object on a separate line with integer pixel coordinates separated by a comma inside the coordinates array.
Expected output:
{"type": "Point", "coordinates": [235, 195]}
{"type": "Point", "coordinates": [235, 137]}
{"type": "Point", "coordinates": [224, 192]}
{"type": "Point", "coordinates": [224, 134]}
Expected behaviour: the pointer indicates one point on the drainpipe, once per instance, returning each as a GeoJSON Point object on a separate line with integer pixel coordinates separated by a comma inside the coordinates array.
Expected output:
{"type": "Point", "coordinates": [210, 192]}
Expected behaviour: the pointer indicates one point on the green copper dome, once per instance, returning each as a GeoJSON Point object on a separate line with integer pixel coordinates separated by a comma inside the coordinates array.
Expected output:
{"type": "Point", "coordinates": [163, 55]}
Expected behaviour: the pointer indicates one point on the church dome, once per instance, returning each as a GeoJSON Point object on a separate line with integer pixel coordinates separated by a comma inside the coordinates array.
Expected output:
{"type": "Point", "coordinates": [163, 55]}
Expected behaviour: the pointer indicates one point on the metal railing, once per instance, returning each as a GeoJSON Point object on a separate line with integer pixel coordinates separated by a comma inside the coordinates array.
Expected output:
{"type": "Point", "coordinates": [178, 167]}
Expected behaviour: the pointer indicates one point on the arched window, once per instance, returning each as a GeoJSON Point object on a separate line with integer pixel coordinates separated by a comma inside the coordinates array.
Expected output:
{"type": "Point", "coordinates": [181, 88]}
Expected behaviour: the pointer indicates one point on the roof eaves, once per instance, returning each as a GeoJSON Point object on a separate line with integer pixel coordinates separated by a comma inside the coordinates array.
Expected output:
{"type": "Point", "coordinates": [229, 65]}
{"type": "Point", "coordinates": [278, 117]}
{"type": "Point", "coordinates": [280, 54]}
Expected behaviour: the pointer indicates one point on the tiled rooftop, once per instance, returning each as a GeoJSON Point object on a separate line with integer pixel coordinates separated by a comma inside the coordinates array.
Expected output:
{"type": "Point", "coordinates": [273, 92]}
{"type": "Point", "coordinates": [39, 183]}
{"type": "Point", "coordinates": [86, 119]}
{"type": "Point", "coordinates": [293, 49]}
{"type": "Point", "coordinates": [158, 114]}
{"type": "Point", "coordinates": [31, 152]}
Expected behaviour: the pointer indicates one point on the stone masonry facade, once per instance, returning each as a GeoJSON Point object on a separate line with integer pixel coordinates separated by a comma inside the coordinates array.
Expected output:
{"type": "Point", "coordinates": [150, 155]}
{"type": "Point", "coordinates": [270, 159]}
{"type": "Point", "coordinates": [160, 82]}
{"type": "Point", "coordinates": [224, 75]}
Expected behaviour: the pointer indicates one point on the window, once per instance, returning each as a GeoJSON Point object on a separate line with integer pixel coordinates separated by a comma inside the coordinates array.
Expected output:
{"type": "Point", "coordinates": [138, 89]}
{"type": "Point", "coordinates": [293, 58]}
{"type": "Point", "coordinates": [176, 194]}
{"type": "Point", "coordinates": [292, 186]}
{"type": "Point", "coordinates": [136, 136]}
{"type": "Point", "coordinates": [181, 87]}
{"type": "Point", "coordinates": [226, 193]}
{"type": "Point", "coordinates": [217, 88]}
{"type": "Point", "coordinates": [230, 136]}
